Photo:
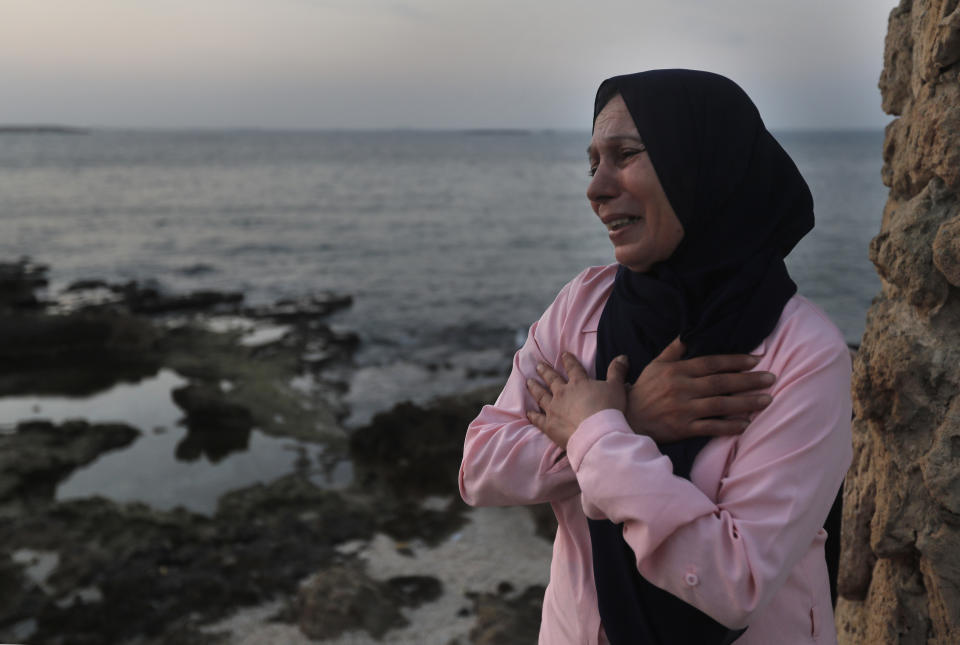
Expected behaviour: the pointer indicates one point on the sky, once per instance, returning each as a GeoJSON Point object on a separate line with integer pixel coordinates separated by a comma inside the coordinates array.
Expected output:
{"type": "Point", "coordinates": [434, 64]}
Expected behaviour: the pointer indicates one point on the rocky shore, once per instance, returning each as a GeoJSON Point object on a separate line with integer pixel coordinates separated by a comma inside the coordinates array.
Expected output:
{"type": "Point", "coordinates": [384, 553]}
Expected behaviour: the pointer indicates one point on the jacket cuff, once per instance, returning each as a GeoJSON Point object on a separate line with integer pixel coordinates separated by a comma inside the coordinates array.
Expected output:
{"type": "Point", "coordinates": [591, 430]}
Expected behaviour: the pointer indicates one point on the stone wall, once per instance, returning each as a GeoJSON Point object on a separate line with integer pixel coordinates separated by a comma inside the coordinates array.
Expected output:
{"type": "Point", "coordinates": [900, 565]}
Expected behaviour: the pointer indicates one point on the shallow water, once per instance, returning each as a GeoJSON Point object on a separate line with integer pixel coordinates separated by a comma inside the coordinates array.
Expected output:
{"type": "Point", "coordinates": [152, 469]}
{"type": "Point", "coordinates": [146, 404]}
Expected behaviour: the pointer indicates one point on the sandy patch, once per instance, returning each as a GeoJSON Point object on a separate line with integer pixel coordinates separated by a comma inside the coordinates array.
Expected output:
{"type": "Point", "coordinates": [495, 545]}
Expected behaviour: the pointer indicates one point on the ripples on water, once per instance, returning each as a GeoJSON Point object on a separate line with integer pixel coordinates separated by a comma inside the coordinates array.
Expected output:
{"type": "Point", "coordinates": [452, 243]}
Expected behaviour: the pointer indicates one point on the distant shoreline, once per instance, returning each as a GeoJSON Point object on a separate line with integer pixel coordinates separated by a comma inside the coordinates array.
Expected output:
{"type": "Point", "coordinates": [41, 129]}
{"type": "Point", "coordinates": [61, 129]}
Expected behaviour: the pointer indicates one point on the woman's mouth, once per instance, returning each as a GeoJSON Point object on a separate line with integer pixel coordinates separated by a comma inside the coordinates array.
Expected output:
{"type": "Point", "coordinates": [617, 224]}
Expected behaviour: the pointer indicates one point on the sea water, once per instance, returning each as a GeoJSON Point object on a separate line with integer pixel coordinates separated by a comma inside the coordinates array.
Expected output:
{"type": "Point", "coordinates": [451, 243]}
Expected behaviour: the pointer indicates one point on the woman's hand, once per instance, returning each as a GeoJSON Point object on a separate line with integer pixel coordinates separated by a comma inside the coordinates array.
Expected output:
{"type": "Point", "coordinates": [674, 399]}
{"type": "Point", "coordinates": [566, 404]}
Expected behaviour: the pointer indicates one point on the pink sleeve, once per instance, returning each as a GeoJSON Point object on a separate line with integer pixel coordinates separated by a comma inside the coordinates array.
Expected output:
{"type": "Point", "coordinates": [729, 558]}
{"type": "Point", "coordinates": [506, 460]}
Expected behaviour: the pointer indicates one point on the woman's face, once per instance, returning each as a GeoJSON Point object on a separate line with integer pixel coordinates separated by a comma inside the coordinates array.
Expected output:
{"type": "Point", "coordinates": [626, 194]}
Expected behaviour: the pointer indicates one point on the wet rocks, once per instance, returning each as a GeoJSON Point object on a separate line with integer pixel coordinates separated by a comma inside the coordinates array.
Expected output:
{"type": "Point", "coordinates": [156, 572]}
{"type": "Point", "coordinates": [290, 310]}
{"type": "Point", "coordinates": [506, 618]}
{"type": "Point", "coordinates": [125, 573]}
{"type": "Point", "coordinates": [19, 282]}
{"type": "Point", "coordinates": [416, 450]}
{"type": "Point", "coordinates": [215, 426]}
{"type": "Point", "coordinates": [20, 601]}
{"type": "Point", "coordinates": [338, 599]}
{"type": "Point", "coordinates": [413, 451]}
{"type": "Point", "coordinates": [149, 300]}
{"type": "Point", "coordinates": [343, 597]}
{"type": "Point", "coordinates": [40, 454]}
{"type": "Point", "coordinates": [77, 353]}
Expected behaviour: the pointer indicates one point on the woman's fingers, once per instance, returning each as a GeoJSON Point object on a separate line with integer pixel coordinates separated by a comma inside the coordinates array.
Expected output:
{"type": "Point", "coordinates": [575, 371]}
{"type": "Point", "coordinates": [539, 393]}
{"type": "Point", "coordinates": [672, 352]}
{"type": "Point", "coordinates": [728, 406]}
{"type": "Point", "coordinates": [731, 383]}
{"type": "Point", "coordinates": [550, 376]}
{"type": "Point", "coordinates": [538, 419]}
{"type": "Point", "coordinates": [718, 363]}
{"type": "Point", "coordinates": [617, 370]}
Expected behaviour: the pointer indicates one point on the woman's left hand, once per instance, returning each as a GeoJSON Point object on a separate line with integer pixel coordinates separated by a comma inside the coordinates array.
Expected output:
{"type": "Point", "coordinates": [566, 403]}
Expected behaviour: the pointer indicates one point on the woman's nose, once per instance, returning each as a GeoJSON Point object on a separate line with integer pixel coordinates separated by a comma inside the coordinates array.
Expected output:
{"type": "Point", "coordinates": [603, 185]}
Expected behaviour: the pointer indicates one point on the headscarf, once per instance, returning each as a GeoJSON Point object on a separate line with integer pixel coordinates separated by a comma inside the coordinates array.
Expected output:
{"type": "Point", "coordinates": [743, 206]}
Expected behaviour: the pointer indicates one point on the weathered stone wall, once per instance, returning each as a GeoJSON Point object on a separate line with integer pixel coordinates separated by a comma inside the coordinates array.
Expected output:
{"type": "Point", "coordinates": [900, 566]}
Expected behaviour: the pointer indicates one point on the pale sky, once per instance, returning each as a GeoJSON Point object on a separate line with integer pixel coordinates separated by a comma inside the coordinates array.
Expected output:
{"type": "Point", "coordinates": [423, 63]}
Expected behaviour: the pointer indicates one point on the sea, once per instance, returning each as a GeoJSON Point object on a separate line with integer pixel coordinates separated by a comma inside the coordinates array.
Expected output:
{"type": "Point", "coordinates": [451, 243]}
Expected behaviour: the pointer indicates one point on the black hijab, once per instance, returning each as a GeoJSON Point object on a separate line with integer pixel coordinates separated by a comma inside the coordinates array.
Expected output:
{"type": "Point", "coordinates": [743, 206]}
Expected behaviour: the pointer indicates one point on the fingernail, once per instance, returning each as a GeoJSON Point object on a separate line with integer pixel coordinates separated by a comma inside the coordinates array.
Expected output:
{"type": "Point", "coordinates": [764, 399]}
{"type": "Point", "coordinates": [754, 359]}
{"type": "Point", "coordinates": [530, 382]}
{"type": "Point", "coordinates": [539, 367]}
{"type": "Point", "coordinates": [769, 379]}
{"type": "Point", "coordinates": [622, 358]}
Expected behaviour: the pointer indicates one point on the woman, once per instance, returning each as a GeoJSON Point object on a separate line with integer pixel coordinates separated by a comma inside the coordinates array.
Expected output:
{"type": "Point", "coordinates": [685, 516]}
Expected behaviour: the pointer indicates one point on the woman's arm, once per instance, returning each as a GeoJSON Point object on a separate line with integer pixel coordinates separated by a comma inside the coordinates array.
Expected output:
{"type": "Point", "coordinates": [506, 460]}
{"type": "Point", "coordinates": [729, 558]}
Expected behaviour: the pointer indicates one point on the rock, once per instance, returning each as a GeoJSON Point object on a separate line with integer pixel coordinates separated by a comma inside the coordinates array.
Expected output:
{"type": "Point", "coordinates": [215, 426]}
{"type": "Point", "coordinates": [406, 520]}
{"type": "Point", "coordinates": [916, 149]}
{"type": "Point", "coordinates": [900, 562]}
{"type": "Point", "coordinates": [503, 619]}
{"type": "Point", "coordinates": [411, 452]}
{"type": "Point", "coordinates": [412, 591]}
{"type": "Point", "coordinates": [946, 51]}
{"type": "Point", "coordinates": [316, 305]}
{"type": "Point", "coordinates": [903, 251]}
{"type": "Point", "coordinates": [344, 598]}
{"type": "Point", "coordinates": [946, 250]}
{"type": "Point", "coordinates": [126, 573]}
{"type": "Point", "coordinates": [294, 500]}
{"type": "Point", "coordinates": [19, 282]}
{"type": "Point", "coordinates": [78, 353]}
{"type": "Point", "coordinates": [87, 285]}
{"type": "Point", "coordinates": [895, 81]}
{"type": "Point", "coordinates": [160, 573]}
{"type": "Point", "coordinates": [206, 405]}
{"type": "Point", "coordinates": [544, 520]}
{"type": "Point", "coordinates": [40, 454]}
{"type": "Point", "coordinates": [152, 300]}
{"type": "Point", "coordinates": [417, 450]}
{"type": "Point", "coordinates": [19, 600]}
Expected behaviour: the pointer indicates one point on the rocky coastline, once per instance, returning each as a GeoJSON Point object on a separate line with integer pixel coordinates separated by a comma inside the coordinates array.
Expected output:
{"type": "Point", "coordinates": [302, 557]}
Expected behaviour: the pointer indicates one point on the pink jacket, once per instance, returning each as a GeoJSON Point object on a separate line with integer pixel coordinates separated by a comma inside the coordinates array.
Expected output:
{"type": "Point", "coordinates": [742, 540]}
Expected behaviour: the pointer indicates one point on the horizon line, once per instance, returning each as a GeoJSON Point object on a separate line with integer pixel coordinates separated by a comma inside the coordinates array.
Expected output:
{"type": "Point", "coordinates": [57, 128]}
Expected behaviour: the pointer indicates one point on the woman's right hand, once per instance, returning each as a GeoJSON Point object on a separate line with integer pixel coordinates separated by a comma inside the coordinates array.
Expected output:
{"type": "Point", "coordinates": [675, 399]}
